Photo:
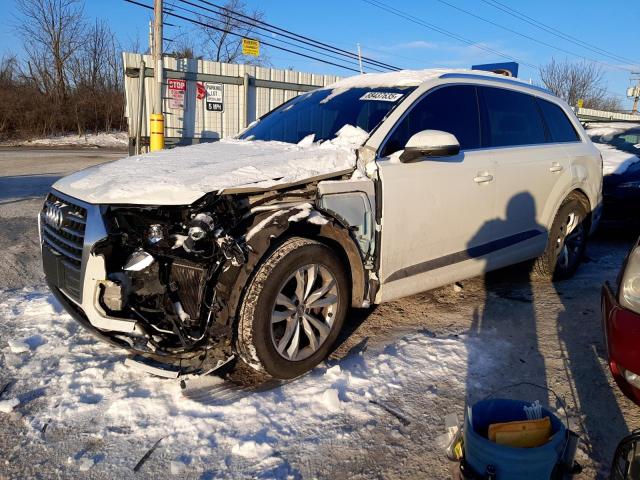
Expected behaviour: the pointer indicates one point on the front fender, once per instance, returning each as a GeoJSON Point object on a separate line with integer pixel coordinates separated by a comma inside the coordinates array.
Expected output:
{"type": "Point", "coordinates": [271, 228]}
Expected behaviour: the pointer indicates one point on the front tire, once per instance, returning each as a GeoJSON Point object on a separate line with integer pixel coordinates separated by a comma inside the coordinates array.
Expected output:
{"type": "Point", "coordinates": [293, 309]}
{"type": "Point", "coordinates": [567, 240]}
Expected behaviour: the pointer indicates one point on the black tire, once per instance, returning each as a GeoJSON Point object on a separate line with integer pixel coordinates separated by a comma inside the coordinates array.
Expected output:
{"type": "Point", "coordinates": [558, 262]}
{"type": "Point", "coordinates": [254, 334]}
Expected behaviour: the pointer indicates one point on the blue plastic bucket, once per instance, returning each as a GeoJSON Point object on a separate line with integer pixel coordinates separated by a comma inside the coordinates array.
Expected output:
{"type": "Point", "coordinates": [510, 463]}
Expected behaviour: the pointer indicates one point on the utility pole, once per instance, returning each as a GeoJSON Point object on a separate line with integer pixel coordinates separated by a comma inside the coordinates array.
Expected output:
{"type": "Point", "coordinates": [635, 93]}
{"type": "Point", "coordinates": [157, 119]}
{"type": "Point", "coordinates": [360, 58]}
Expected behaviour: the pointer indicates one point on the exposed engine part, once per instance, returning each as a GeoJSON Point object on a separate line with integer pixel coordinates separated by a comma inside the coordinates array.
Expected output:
{"type": "Point", "coordinates": [138, 261]}
{"type": "Point", "coordinates": [189, 279]}
{"type": "Point", "coordinates": [200, 226]}
{"type": "Point", "coordinates": [147, 282]}
{"type": "Point", "coordinates": [177, 306]}
{"type": "Point", "coordinates": [231, 250]}
{"type": "Point", "coordinates": [113, 296]}
{"type": "Point", "coordinates": [155, 234]}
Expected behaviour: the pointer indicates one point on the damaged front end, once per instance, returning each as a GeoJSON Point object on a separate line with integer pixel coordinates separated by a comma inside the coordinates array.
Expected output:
{"type": "Point", "coordinates": [166, 282]}
{"type": "Point", "coordinates": [144, 278]}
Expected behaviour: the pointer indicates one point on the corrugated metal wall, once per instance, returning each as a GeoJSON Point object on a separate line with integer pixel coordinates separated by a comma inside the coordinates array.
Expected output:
{"type": "Point", "coordinates": [267, 88]}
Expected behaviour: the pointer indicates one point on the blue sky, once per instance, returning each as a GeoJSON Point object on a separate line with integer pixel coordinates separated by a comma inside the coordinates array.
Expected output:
{"type": "Point", "coordinates": [613, 26]}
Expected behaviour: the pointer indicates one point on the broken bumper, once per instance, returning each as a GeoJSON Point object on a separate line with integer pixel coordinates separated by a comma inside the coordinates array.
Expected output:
{"type": "Point", "coordinates": [622, 336]}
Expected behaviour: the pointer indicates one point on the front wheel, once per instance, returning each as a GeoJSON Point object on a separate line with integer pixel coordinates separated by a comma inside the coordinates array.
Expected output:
{"type": "Point", "coordinates": [567, 240]}
{"type": "Point", "coordinates": [293, 309]}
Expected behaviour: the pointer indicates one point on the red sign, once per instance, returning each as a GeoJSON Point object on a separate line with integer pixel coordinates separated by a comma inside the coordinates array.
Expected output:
{"type": "Point", "coordinates": [177, 89]}
{"type": "Point", "coordinates": [176, 84]}
{"type": "Point", "coordinates": [201, 92]}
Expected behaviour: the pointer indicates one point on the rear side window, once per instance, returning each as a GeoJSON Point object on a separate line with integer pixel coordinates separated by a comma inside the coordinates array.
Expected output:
{"type": "Point", "coordinates": [559, 125]}
{"type": "Point", "coordinates": [510, 118]}
{"type": "Point", "coordinates": [451, 109]}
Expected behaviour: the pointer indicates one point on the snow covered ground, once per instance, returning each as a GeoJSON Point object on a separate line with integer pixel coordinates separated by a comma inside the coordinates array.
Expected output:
{"type": "Point", "coordinates": [117, 140]}
{"type": "Point", "coordinates": [84, 384]}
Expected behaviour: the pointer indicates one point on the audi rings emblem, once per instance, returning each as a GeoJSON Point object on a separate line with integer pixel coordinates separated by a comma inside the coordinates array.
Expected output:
{"type": "Point", "coordinates": [54, 215]}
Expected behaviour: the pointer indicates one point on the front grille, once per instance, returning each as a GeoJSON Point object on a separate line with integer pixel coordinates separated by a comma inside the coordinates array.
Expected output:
{"type": "Point", "coordinates": [63, 226]}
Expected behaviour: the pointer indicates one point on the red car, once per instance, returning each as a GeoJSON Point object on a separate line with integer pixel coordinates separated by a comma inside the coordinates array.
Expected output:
{"type": "Point", "coordinates": [621, 318]}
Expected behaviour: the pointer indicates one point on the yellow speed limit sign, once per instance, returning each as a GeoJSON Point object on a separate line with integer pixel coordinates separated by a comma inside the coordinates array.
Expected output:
{"type": "Point", "coordinates": [250, 47]}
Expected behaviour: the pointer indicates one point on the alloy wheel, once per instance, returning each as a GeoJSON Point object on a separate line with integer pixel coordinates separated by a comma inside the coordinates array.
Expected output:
{"type": "Point", "coordinates": [304, 311]}
{"type": "Point", "coordinates": [570, 240]}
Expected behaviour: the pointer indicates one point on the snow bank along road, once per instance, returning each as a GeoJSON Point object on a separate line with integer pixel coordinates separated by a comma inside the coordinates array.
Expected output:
{"type": "Point", "coordinates": [73, 410]}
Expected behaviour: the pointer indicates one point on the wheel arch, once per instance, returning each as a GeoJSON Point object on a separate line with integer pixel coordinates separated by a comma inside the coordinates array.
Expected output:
{"type": "Point", "coordinates": [270, 229]}
{"type": "Point", "coordinates": [576, 191]}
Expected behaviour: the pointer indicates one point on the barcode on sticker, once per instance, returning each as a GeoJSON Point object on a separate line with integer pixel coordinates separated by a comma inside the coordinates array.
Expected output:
{"type": "Point", "coordinates": [381, 96]}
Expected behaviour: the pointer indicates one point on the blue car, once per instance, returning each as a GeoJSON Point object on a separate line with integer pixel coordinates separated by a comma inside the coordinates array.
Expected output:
{"type": "Point", "coordinates": [619, 144]}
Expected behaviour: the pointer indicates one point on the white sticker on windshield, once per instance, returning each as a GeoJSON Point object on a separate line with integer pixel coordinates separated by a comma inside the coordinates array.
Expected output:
{"type": "Point", "coordinates": [381, 96]}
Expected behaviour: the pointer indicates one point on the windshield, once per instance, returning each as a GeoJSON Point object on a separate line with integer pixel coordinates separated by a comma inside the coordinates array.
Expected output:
{"type": "Point", "coordinates": [323, 112]}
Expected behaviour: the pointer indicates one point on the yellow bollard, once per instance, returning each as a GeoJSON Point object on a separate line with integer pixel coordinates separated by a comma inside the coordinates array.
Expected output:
{"type": "Point", "coordinates": [157, 132]}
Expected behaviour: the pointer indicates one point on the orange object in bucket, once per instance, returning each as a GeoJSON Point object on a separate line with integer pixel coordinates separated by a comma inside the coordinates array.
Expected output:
{"type": "Point", "coordinates": [521, 434]}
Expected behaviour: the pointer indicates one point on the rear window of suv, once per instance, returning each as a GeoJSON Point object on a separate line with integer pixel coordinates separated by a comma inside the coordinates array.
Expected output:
{"type": "Point", "coordinates": [560, 127]}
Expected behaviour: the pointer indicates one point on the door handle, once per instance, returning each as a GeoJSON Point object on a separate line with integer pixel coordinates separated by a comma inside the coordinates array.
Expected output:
{"type": "Point", "coordinates": [555, 168]}
{"type": "Point", "coordinates": [485, 178]}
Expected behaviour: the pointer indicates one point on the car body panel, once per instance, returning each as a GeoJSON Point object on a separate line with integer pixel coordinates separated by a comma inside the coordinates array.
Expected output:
{"type": "Point", "coordinates": [424, 225]}
{"type": "Point", "coordinates": [413, 192]}
{"type": "Point", "coordinates": [622, 334]}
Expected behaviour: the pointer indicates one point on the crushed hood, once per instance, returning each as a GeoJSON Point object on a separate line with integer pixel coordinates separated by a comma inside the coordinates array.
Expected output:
{"type": "Point", "coordinates": [182, 175]}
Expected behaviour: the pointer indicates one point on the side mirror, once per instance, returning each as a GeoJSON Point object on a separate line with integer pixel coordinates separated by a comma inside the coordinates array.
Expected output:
{"type": "Point", "coordinates": [430, 143]}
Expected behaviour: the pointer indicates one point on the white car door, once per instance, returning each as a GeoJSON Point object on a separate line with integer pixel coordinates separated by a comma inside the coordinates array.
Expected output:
{"type": "Point", "coordinates": [437, 212]}
{"type": "Point", "coordinates": [534, 171]}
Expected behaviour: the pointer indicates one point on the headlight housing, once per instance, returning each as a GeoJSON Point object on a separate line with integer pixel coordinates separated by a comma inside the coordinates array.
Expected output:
{"type": "Point", "coordinates": [629, 296]}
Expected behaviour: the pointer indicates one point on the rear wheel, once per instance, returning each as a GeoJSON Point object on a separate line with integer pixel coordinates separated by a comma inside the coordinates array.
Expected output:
{"type": "Point", "coordinates": [294, 309]}
{"type": "Point", "coordinates": [567, 240]}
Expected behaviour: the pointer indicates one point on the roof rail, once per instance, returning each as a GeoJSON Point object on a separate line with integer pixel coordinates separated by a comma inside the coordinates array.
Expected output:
{"type": "Point", "coordinates": [495, 78]}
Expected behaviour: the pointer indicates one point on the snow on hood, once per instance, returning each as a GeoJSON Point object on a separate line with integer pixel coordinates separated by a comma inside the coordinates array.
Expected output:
{"type": "Point", "coordinates": [182, 175]}
{"type": "Point", "coordinates": [609, 129]}
{"type": "Point", "coordinates": [614, 160]}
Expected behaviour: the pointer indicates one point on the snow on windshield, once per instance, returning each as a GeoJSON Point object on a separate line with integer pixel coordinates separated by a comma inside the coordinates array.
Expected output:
{"type": "Point", "coordinates": [324, 112]}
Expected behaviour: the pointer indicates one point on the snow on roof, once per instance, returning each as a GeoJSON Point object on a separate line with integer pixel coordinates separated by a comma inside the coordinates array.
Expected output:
{"type": "Point", "coordinates": [405, 78]}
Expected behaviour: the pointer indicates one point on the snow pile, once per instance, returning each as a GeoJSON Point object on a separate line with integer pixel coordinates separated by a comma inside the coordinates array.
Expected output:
{"type": "Point", "coordinates": [85, 387]}
{"type": "Point", "coordinates": [184, 174]}
{"type": "Point", "coordinates": [7, 406]}
{"type": "Point", "coordinates": [614, 160]}
{"type": "Point", "coordinates": [102, 140]}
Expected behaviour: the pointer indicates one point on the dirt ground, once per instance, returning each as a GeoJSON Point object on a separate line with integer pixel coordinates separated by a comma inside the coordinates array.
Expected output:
{"type": "Point", "coordinates": [548, 334]}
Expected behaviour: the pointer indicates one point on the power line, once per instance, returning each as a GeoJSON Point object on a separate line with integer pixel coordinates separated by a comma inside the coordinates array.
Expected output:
{"type": "Point", "coordinates": [558, 33]}
{"type": "Point", "coordinates": [418, 21]}
{"type": "Point", "coordinates": [284, 32]}
{"type": "Point", "coordinates": [411, 18]}
{"type": "Point", "coordinates": [196, 22]}
{"type": "Point", "coordinates": [529, 37]}
{"type": "Point", "coordinates": [317, 49]}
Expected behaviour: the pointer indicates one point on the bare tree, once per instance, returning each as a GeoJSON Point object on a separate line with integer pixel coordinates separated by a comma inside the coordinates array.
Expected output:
{"type": "Point", "coordinates": [223, 42]}
{"type": "Point", "coordinates": [580, 80]}
{"type": "Point", "coordinates": [182, 46]}
{"type": "Point", "coordinates": [53, 30]}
